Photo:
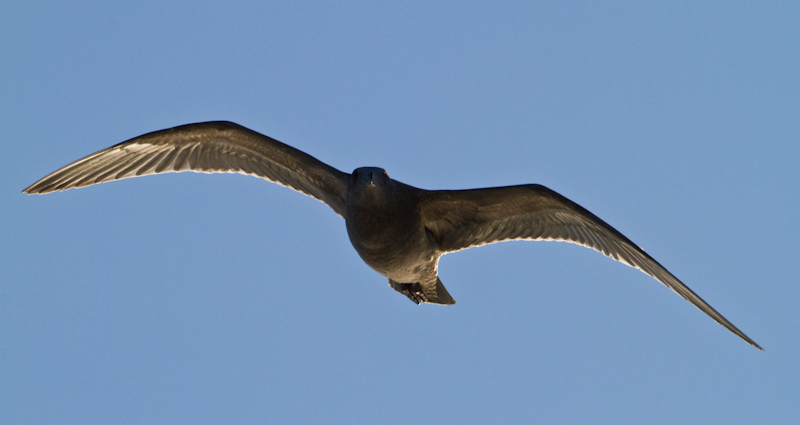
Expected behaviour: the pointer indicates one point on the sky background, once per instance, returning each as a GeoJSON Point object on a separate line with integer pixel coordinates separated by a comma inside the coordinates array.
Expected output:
{"type": "Point", "coordinates": [189, 298]}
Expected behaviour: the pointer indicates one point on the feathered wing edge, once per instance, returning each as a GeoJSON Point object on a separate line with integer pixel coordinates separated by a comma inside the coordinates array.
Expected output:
{"type": "Point", "coordinates": [208, 147]}
{"type": "Point", "coordinates": [461, 219]}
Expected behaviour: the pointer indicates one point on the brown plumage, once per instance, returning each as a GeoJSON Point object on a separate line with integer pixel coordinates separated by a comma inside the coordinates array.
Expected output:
{"type": "Point", "coordinates": [397, 229]}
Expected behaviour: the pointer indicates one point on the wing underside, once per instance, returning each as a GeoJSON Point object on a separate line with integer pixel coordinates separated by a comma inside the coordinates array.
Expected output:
{"type": "Point", "coordinates": [462, 219]}
{"type": "Point", "coordinates": [210, 147]}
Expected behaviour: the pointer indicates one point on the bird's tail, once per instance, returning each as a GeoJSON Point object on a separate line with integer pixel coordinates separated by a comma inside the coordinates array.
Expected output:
{"type": "Point", "coordinates": [442, 296]}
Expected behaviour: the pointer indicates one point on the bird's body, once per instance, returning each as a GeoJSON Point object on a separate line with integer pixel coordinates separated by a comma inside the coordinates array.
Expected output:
{"type": "Point", "coordinates": [386, 229]}
{"type": "Point", "coordinates": [398, 230]}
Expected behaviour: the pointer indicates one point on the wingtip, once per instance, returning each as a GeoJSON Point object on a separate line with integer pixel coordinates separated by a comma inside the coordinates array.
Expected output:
{"type": "Point", "coordinates": [40, 188]}
{"type": "Point", "coordinates": [32, 190]}
{"type": "Point", "coordinates": [748, 340]}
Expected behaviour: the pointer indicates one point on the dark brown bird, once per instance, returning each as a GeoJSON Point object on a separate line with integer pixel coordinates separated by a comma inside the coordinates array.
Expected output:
{"type": "Point", "coordinates": [397, 229]}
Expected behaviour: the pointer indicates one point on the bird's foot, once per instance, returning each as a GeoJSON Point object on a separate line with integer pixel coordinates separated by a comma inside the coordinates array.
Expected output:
{"type": "Point", "coordinates": [412, 290]}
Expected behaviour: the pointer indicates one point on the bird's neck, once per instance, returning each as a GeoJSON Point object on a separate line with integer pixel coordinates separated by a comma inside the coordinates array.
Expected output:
{"type": "Point", "coordinates": [374, 221]}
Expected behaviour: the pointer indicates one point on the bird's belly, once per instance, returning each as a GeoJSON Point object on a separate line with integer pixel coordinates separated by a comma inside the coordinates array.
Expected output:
{"type": "Point", "coordinates": [405, 269]}
{"type": "Point", "coordinates": [399, 260]}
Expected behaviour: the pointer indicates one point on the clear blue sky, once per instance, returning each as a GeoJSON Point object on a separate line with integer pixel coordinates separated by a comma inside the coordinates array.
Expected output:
{"type": "Point", "coordinates": [189, 298]}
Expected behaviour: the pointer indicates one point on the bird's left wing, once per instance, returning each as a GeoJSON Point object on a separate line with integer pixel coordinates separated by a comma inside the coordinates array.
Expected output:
{"type": "Point", "coordinates": [209, 147]}
{"type": "Point", "coordinates": [460, 219]}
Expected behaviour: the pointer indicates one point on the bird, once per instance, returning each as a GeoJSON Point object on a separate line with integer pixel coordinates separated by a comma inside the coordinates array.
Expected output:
{"type": "Point", "coordinates": [398, 230]}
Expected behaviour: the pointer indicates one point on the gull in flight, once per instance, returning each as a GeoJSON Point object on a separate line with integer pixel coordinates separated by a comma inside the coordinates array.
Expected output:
{"type": "Point", "coordinates": [397, 229]}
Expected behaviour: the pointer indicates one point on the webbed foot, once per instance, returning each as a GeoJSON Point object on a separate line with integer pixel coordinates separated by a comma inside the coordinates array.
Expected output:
{"type": "Point", "coordinates": [412, 290]}
{"type": "Point", "coordinates": [432, 293]}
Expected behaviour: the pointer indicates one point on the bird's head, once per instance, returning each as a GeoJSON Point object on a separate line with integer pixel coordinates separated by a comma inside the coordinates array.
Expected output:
{"type": "Point", "coordinates": [369, 177]}
{"type": "Point", "coordinates": [370, 186]}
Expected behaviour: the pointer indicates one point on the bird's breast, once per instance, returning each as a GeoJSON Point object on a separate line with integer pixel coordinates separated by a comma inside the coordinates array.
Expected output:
{"type": "Point", "coordinates": [393, 246]}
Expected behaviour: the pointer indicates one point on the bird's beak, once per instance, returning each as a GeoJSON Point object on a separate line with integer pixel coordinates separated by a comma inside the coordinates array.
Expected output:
{"type": "Point", "coordinates": [369, 179]}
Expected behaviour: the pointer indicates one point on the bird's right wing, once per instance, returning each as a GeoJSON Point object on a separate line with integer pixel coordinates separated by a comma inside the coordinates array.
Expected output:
{"type": "Point", "coordinates": [209, 147]}
{"type": "Point", "coordinates": [460, 219]}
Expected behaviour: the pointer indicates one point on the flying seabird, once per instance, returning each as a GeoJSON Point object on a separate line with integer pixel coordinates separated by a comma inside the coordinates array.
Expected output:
{"type": "Point", "coordinates": [398, 230]}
